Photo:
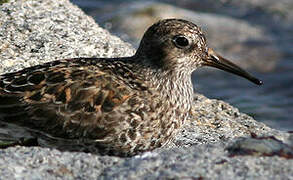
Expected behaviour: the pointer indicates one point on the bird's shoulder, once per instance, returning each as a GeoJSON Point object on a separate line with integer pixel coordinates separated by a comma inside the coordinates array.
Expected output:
{"type": "Point", "coordinates": [86, 72]}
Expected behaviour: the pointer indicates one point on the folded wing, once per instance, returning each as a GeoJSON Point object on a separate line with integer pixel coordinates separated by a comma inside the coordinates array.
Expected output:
{"type": "Point", "coordinates": [64, 99]}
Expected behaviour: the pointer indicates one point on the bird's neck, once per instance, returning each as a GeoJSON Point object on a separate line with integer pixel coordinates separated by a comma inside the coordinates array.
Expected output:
{"type": "Point", "coordinates": [175, 87]}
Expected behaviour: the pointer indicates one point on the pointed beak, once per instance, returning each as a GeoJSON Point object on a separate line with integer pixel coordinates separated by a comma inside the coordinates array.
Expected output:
{"type": "Point", "coordinates": [215, 60]}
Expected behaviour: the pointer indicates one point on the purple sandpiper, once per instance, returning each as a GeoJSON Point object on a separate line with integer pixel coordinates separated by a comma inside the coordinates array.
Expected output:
{"type": "Point", "coordinates": [125, 105]}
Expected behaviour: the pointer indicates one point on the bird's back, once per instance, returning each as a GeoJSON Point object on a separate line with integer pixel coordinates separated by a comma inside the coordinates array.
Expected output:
{"type": "Point", "coordinates": [80, 98]}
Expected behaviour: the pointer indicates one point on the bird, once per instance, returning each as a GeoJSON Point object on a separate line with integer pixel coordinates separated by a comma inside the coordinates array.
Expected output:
{"type": "Point", "coordinates": [124, 105]}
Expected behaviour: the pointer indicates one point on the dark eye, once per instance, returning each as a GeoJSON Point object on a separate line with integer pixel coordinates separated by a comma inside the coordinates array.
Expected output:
{"type": "Point", "coordinates": [180, 41]}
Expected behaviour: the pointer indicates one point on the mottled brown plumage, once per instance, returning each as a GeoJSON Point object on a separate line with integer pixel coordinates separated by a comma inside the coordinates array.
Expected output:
{"type": "Point", "coordinates": [124, 105]}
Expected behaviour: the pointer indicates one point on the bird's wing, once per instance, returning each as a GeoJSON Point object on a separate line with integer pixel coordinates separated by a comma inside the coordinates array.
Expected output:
{"type": "Point", "coordinates": [64, 99]}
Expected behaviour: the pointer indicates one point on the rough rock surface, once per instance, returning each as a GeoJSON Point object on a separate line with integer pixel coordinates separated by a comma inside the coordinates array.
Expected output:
{"type": "Point", "coordinates": [33, 32]}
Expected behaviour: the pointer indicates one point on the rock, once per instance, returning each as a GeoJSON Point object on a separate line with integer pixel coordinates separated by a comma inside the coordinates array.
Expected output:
{"type": "Point", "coordinates": [260, 146]}
{"type": "Point", "coordinates": [248, 45]}
{"type": "Point", "coordinates": [30, 35]}
{"type": "Point", "coordinates": [43, 163]}
{"type": "Point", "coordinates": [199, 162]}
{"type": "Point", "coordinates": [278, 11]}
{"type": "Point", "coordinates": [34, 32]}
{"type": "Point", "coordinates": [216, 121]}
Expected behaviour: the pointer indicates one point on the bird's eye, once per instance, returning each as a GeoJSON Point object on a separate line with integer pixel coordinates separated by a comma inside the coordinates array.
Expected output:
{"type": "Point", "coordinates": [180, 41]}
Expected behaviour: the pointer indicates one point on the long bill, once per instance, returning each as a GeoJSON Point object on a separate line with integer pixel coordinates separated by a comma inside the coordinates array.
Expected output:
{"type": "Point", "coordinates": [217, 61]}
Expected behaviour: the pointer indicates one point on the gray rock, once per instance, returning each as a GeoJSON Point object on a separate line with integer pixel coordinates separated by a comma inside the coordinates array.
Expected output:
{"type": "Point", "coordinates": [37, 31]}
{"type": "Point", "coordinates": [278, 10]}
{"type": "Point", "coordinates": [200, 162]}
{"type": "Point", "coordinates": [31, 34]}
{"type": "Point", "coordinates": [216, 121]}
{"type": "Point", "coordinates": [43, 163]}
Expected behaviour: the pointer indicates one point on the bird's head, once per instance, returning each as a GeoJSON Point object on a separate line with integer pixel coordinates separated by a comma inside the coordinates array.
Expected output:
{"type": "Point", "coordinates": [179, 45]}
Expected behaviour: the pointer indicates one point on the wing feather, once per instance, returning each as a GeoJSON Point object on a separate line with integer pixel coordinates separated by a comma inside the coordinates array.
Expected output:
{"type": "Point", "coordinates": [64, 99]}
